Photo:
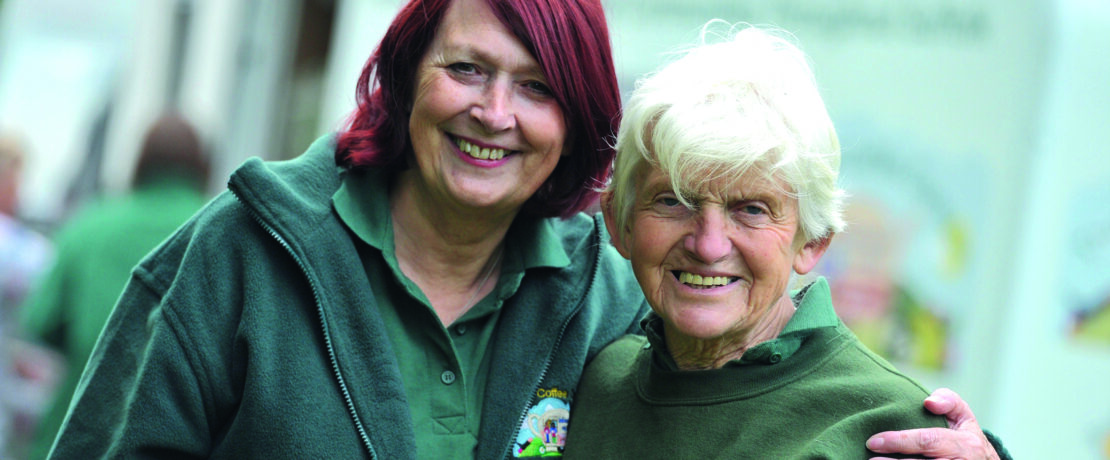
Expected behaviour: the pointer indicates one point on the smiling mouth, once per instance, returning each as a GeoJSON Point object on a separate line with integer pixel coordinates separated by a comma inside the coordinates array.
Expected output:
{"type": "Point", "coordinates": [703, 282]}
{"type": "Point", "coordinates": [481, 153]}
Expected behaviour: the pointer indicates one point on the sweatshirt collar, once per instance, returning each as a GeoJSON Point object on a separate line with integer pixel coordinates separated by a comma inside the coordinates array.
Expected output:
{"type": "Point", "coordinates": [814, 312]}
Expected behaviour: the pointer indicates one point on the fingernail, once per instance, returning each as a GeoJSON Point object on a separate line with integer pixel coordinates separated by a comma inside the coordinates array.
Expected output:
{"type": "Point", "coordinates": [874, 443]}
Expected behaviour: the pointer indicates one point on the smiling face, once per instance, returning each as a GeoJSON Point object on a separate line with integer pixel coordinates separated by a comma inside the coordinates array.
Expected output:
{"type": "Point", "coordinates": [485, 128]}
{"type": "Point", "coordinates": [715, 271]}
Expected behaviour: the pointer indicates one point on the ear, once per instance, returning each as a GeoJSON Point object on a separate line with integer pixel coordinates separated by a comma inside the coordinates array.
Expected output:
{"type": "Point", "coordinates": [808, 256]}
{"type": "Point", "coordinates": [615, 234]}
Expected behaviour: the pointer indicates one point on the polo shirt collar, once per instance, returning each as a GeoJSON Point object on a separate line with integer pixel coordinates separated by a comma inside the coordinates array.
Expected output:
{"type": "Point", "coordinates": [362, 203]}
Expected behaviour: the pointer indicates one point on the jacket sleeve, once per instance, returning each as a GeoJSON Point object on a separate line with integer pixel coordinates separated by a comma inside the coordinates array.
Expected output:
{"type": "Point", "coordinates": [996, 442]}
{"type": "Point", "coordinates": [141, 394]}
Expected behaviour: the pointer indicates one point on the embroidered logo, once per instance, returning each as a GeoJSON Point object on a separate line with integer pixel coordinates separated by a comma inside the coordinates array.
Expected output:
{"type": "Point", "coordinates": [544, 431]}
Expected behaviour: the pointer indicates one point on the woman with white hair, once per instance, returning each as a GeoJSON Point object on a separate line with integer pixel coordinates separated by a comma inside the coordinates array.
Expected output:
{"type": "Point", "coordinates": [724, 187]}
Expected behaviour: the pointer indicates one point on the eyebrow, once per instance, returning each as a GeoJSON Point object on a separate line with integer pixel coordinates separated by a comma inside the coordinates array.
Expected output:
{"type": "Point", "coordinates": [532, 69]}
{"type": "Point", "coordinates": [736, 195]}
{"type": "Point", "coordinates": [655, 185]}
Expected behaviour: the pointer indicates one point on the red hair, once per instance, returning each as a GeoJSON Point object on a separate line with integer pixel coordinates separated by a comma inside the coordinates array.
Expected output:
{"type": "Point", "coordinates": [570, 41]}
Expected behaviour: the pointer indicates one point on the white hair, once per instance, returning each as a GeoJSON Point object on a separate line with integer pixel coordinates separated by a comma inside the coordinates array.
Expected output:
{"type": "Point", "coordinates": [746, 103]}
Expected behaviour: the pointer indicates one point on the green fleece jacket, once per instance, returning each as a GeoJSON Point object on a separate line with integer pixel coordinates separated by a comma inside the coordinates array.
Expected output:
{"type": "Point", "coordinates": [253, 333]}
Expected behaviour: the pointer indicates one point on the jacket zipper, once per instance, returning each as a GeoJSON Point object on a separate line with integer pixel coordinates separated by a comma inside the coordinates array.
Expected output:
{"type": "Point", "coordinates": [558, 340]}
{"type": "Point", "coordinates": [323, 325]}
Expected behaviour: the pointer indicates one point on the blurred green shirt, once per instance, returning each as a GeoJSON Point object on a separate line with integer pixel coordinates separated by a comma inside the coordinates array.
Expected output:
{"type": "Point", "coordinates": [96, 250]}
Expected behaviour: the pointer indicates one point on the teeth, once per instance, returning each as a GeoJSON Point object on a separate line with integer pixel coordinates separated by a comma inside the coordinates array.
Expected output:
{"type": "Point", "coordinates": [480, 153]}
{"type": "Point", "coordinates": [698, 280]}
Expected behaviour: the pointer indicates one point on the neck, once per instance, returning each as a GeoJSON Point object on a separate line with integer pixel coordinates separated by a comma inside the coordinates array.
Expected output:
{"type": "Point", "coordinates": [691, 353]}
{"type": "Point", "coordinates": [453, 255]}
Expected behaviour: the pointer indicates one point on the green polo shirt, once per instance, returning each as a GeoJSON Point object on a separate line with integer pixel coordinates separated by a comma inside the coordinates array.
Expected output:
{"type": "Point", "coordinates": [444, 368]}
{"type": "Point", "coordinates": [814, 313]}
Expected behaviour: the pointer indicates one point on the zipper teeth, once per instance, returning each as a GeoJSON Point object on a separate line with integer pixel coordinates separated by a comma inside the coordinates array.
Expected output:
{"type": "Point", "coordinates": [559, 339]}
{"type": "Point", "coordinates": [323, 323]}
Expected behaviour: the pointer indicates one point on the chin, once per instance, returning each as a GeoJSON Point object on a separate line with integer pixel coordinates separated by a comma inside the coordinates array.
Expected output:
{"type": "Point", "coordinates": [703, 324]}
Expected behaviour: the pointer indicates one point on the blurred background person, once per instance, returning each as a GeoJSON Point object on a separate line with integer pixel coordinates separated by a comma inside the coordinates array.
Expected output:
{"type": "Point", "coordinates": [24, 254]}
{"type": "Point", "coordinates": [97, 248]}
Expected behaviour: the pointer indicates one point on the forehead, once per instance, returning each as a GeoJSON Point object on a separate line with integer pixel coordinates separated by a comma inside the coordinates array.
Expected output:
{"type": "Point", "coordinates": [470, 29]}
{"type": "Point", "coordinates": [712, 182]}
{"type": "Point", "coordinates": [463, 15]}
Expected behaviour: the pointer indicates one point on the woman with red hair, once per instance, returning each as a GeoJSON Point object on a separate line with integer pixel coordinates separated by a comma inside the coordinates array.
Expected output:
{"type": "Point", "coordinates": [421, 285]}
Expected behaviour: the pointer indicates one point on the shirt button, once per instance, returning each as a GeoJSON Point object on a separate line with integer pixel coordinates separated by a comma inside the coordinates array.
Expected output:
{"type": "Point", "coordinates": [775, 358]}
{"type": "Point", "coordinates": [447, 377]}
{"type": "Point", "coordinates": [460, 329]}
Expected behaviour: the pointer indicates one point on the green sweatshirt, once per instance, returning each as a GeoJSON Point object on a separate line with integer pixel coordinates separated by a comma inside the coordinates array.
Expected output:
{"type": "Point", "coordinates": [96, 251]}
{"type": "Point", "coordinates": [253, 332]}
{"type": "Point", "coordinates": [815, 392]}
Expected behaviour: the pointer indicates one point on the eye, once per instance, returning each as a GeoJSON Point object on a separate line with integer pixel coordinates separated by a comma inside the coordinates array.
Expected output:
{"type": "Point", "coordinates": [753, 210]}
{"type": "Point", "coordinates": [463, 68]}
{"type": "Point", "coordinates": [539, 88]}
{"type": "Point", "coordinates": [669, 201]}
{"type": "Point", "coordinates": [752, 213]}
{"type": "Point", "coordinates": [667, 204]}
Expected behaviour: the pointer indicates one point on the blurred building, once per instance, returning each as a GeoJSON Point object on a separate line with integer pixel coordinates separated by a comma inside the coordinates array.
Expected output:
{"type": "Point", "coordinates": [84, 79]}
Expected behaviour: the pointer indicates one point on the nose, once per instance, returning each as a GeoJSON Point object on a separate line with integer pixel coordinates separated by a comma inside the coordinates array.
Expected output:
{"type": "Point", "coordinates": [709, 241]}
{"type": "Point", "coordinates": [494, 109]}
